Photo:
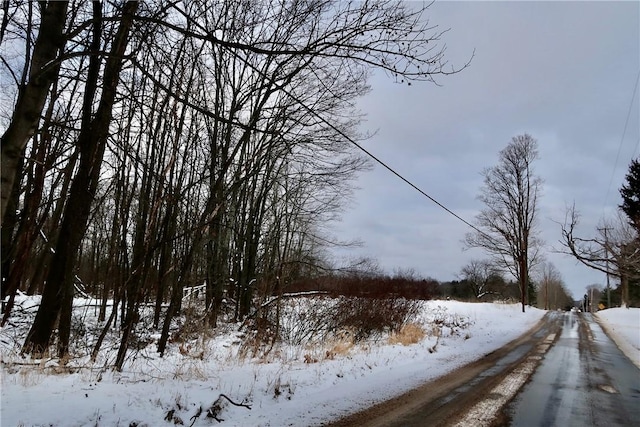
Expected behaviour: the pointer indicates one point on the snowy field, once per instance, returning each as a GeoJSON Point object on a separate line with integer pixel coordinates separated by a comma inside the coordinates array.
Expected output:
{"type": "Point", "coordinates": [291, 385]}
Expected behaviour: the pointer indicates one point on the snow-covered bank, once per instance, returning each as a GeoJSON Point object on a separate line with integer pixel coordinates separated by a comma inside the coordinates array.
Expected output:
{"type": "Point", "coordinates": [293, 386]}
{"type": "Point", "coordinates": [623, 326]}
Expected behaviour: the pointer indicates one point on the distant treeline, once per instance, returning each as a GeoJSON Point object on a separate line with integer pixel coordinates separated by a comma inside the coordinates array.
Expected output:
{"type": "Point", "coordinates": [408, 287]}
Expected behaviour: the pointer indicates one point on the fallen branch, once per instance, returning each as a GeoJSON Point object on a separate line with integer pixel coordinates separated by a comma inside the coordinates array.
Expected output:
{"type": "Point", "coordinates": [244, 405]}
{"type": "Point", "coordinates": [216, 408]}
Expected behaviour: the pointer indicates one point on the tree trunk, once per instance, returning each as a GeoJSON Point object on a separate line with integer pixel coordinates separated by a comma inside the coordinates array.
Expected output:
{"type": "Point", "coordinates": [27, 233]}
{"type": "Point", "coordinates": [91, 141]}
{"type": "Point", "coordinates": [164, 267]}
{"type": "Point", "coordinates": [524, 286]}
{"type": "Point", "coordinates": [8, 241]}
{"type": "Point", "coordinates": [624, 290]}
{"type": "Point", "coordinates": [32, 96]}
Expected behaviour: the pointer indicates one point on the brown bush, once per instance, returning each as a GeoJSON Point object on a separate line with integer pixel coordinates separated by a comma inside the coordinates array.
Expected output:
{"type": "Point", "coordinates": [370, 317]}
{"type": "Point", "coordinates": [324, 319]}
{"type": "Point", "coordinates": [369, 286]}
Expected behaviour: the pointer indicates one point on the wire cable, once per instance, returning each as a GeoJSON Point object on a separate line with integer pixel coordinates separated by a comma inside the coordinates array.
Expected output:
{"type": "Point", "coordinates": [383, 164]}
{"type": "Point", "coordinates": [624, 133]}
{"type": "Point", "coordinates": [415, 187]}
{"type": "Point", "coordinates": [361, 148]}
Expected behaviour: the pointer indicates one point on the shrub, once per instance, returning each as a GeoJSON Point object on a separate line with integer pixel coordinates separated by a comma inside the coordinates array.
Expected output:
{"type": "Point", "coordinates": [369, 286]}
{"type": "Point", "coordinates": [370, 317]}
{"type": "Point", "coordinates": [411, 333]}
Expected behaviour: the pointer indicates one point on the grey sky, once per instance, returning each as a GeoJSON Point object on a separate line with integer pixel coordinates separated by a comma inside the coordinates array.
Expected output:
{"type": "Point", "coordinates": [563, 72]}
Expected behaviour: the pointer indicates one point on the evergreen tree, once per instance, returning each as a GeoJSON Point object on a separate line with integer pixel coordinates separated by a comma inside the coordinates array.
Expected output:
{"type": "Point", "coordinates": [532, 293]}
{"type": "Point", "coordinates": [630, 193]}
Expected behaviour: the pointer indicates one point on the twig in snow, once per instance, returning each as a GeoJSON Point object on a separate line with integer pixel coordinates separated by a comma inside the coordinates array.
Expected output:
{"type": "Point", "coordinates": [244, 405]}
{"type": "Point", "coordinates": [216, 408]}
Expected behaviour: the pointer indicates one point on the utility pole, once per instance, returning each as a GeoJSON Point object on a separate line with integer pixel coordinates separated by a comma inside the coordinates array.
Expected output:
{"type": "Point", "coordinates": [606, 255]}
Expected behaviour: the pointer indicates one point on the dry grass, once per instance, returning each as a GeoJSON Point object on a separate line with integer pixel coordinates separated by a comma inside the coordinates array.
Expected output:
{"type": "Point", "coordinates": [190, 351]}
{"type": "Point", "coordinates": [341, 348]}
{"type": "Point", "coordinates": [191, 369]}
{"type": "Point", "coordinates": [371, 318]}
{"type": "Point", "coordinates": [410, 333]}
{"type": "Point", "coordinates": [341, 345]}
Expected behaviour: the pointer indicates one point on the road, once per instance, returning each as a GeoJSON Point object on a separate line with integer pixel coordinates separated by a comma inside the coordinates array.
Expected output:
{"type": "Point", "coordinates": [584, 380]}
{"type": "Point", "coordinates": [565, 372]}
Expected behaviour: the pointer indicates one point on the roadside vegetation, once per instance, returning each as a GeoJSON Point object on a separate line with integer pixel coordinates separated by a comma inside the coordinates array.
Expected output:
{"type": "Point", "coordinates": [156, 149]}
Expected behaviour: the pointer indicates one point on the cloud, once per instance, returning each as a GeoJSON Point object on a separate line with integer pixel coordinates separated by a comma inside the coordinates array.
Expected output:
{"type": "Point", "coordinates": [563, 72]}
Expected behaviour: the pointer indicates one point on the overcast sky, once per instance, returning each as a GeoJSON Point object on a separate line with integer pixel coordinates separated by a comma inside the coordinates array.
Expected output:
{"type": "Point", "coordinates": [564, 72]}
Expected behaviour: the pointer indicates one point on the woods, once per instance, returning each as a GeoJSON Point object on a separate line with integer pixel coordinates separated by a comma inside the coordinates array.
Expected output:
{"type": "Point", "coordinates": [156, 146]}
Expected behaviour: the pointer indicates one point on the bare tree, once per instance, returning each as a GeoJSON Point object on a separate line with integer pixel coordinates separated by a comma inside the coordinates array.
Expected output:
{"type": "Point", "coordinates": [483, 277]}
{"type": "Point", "coordinates": [506, 227]}
{"type": "Point", "coordinates": [216, 144]}
{"type": "Point", "coordinates": [552, 293]}
{"type": "Point", "coordinates": [38, 75]}
{"type": "Point", "coordinates": [548, 277]}
{"type": "Point", "coordinates": [613, 250]}
{"type": "Point", "coordinates": [57, 297]}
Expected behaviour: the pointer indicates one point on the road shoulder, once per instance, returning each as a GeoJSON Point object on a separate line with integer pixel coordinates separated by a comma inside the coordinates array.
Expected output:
{"type": "Point", "coordinates": [632, 353]}
{"type": "Point", "coordinates": [468, 385]}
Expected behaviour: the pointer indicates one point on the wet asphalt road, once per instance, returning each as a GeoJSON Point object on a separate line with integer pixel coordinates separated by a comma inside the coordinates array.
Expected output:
{"type": "Point", "coordinates": [583, 380]}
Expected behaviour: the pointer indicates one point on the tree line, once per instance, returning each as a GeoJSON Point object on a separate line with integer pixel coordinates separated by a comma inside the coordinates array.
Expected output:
{"type": "Point", "coordinates": [149, 146]}
{"type": "Point", "coordinates": [613, 248]}
{"type": "Point", "coordinates": [507, 229]}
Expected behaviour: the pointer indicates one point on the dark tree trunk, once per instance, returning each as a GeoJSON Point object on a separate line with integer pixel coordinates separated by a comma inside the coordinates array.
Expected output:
{"type": "Point", "coordinates": [58, 288]}
{"type": "Point", "coordinates": [524, 285]}
{"type": "Point", "coordinates": [216, 262]}
{"type": "Point", "coordinates": [41, 270]}
{"type": "Point", "coordinates": [164, 268]}
{"type": "Point", "coordinates": [176, 296]}
{"type": "Point", "coordinates": [8, 229]}
{"type": "Point", "coordinates": [32, 96]}
{"type": "Point", "coordinates": [28, 231]}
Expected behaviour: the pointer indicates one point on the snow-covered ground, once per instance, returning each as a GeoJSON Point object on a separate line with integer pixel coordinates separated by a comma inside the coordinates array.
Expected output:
{"type": "Point", "coordinates": [300, 386]}
{"type": "Point", "coordinates": [623, 326]}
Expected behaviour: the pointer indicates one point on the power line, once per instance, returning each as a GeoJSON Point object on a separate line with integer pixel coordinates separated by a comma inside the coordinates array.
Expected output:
{"type": "Point", "coordinates": [415, 187]}
{"type": "Point", "coordinates": [624, 132]}
{"type": "Point", "coordinates": [383, 164]}
{"type": "Point", "coordinates": [361, 148]}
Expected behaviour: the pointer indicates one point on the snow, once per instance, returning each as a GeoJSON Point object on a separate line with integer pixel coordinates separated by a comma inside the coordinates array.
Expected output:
{"type": "Point", "coordinates": [280, 387]}
{"type": "Point", "coordinates": [623, 326]}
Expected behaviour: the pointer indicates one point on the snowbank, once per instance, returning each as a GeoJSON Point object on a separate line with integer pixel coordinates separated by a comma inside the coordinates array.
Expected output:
{"type": "Point", "coordinates": [623, 326]}
{"type": "Point", "coordinates": [283, 389]}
